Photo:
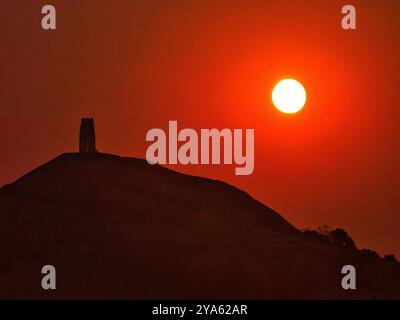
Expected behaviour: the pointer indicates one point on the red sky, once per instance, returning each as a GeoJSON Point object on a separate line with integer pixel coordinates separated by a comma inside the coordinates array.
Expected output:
{"type": "Point", "coordinates": [135, 65]}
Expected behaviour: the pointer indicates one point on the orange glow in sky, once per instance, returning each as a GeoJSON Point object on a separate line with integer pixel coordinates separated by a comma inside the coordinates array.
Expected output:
{"type": "Point", "coordinates": [213, 65]}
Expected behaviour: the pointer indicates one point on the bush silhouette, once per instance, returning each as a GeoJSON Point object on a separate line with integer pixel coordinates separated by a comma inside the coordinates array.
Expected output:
{"type": "Point", "coordinates": [390, 258]}
{"type": "Point", "coordinates": [315, 236]}
{"type": "Point", "coordinates": [370, 253]}
{"type": "Point", "coordinates": [324, 229]}
{"type": "Point", "coordinates": [341, 238]}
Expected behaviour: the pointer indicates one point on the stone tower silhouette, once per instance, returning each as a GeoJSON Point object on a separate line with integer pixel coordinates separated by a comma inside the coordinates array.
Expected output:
{"type": "Point", "coordinates": [87, 136]}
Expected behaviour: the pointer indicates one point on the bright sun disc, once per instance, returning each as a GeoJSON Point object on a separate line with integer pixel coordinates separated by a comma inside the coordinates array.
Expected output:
{"type": "Point", "coordinates": [289, 96]}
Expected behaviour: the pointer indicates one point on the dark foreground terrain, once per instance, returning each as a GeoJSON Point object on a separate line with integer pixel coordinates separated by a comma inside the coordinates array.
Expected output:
{"type": "Point", "coordinates": [119, 228]}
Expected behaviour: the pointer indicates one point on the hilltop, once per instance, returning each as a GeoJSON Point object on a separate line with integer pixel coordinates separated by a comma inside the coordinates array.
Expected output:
{"type": "Point", "coordinates": [118, 227]}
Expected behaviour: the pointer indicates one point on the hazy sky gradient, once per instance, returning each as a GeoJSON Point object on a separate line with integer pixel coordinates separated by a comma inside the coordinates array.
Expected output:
{"type": "Point", "coordinates": [134, 65]}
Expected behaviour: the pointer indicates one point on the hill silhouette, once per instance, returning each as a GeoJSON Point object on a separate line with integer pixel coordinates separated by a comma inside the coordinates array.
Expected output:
{"type": "Point", "coordinates": [117, 227]}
